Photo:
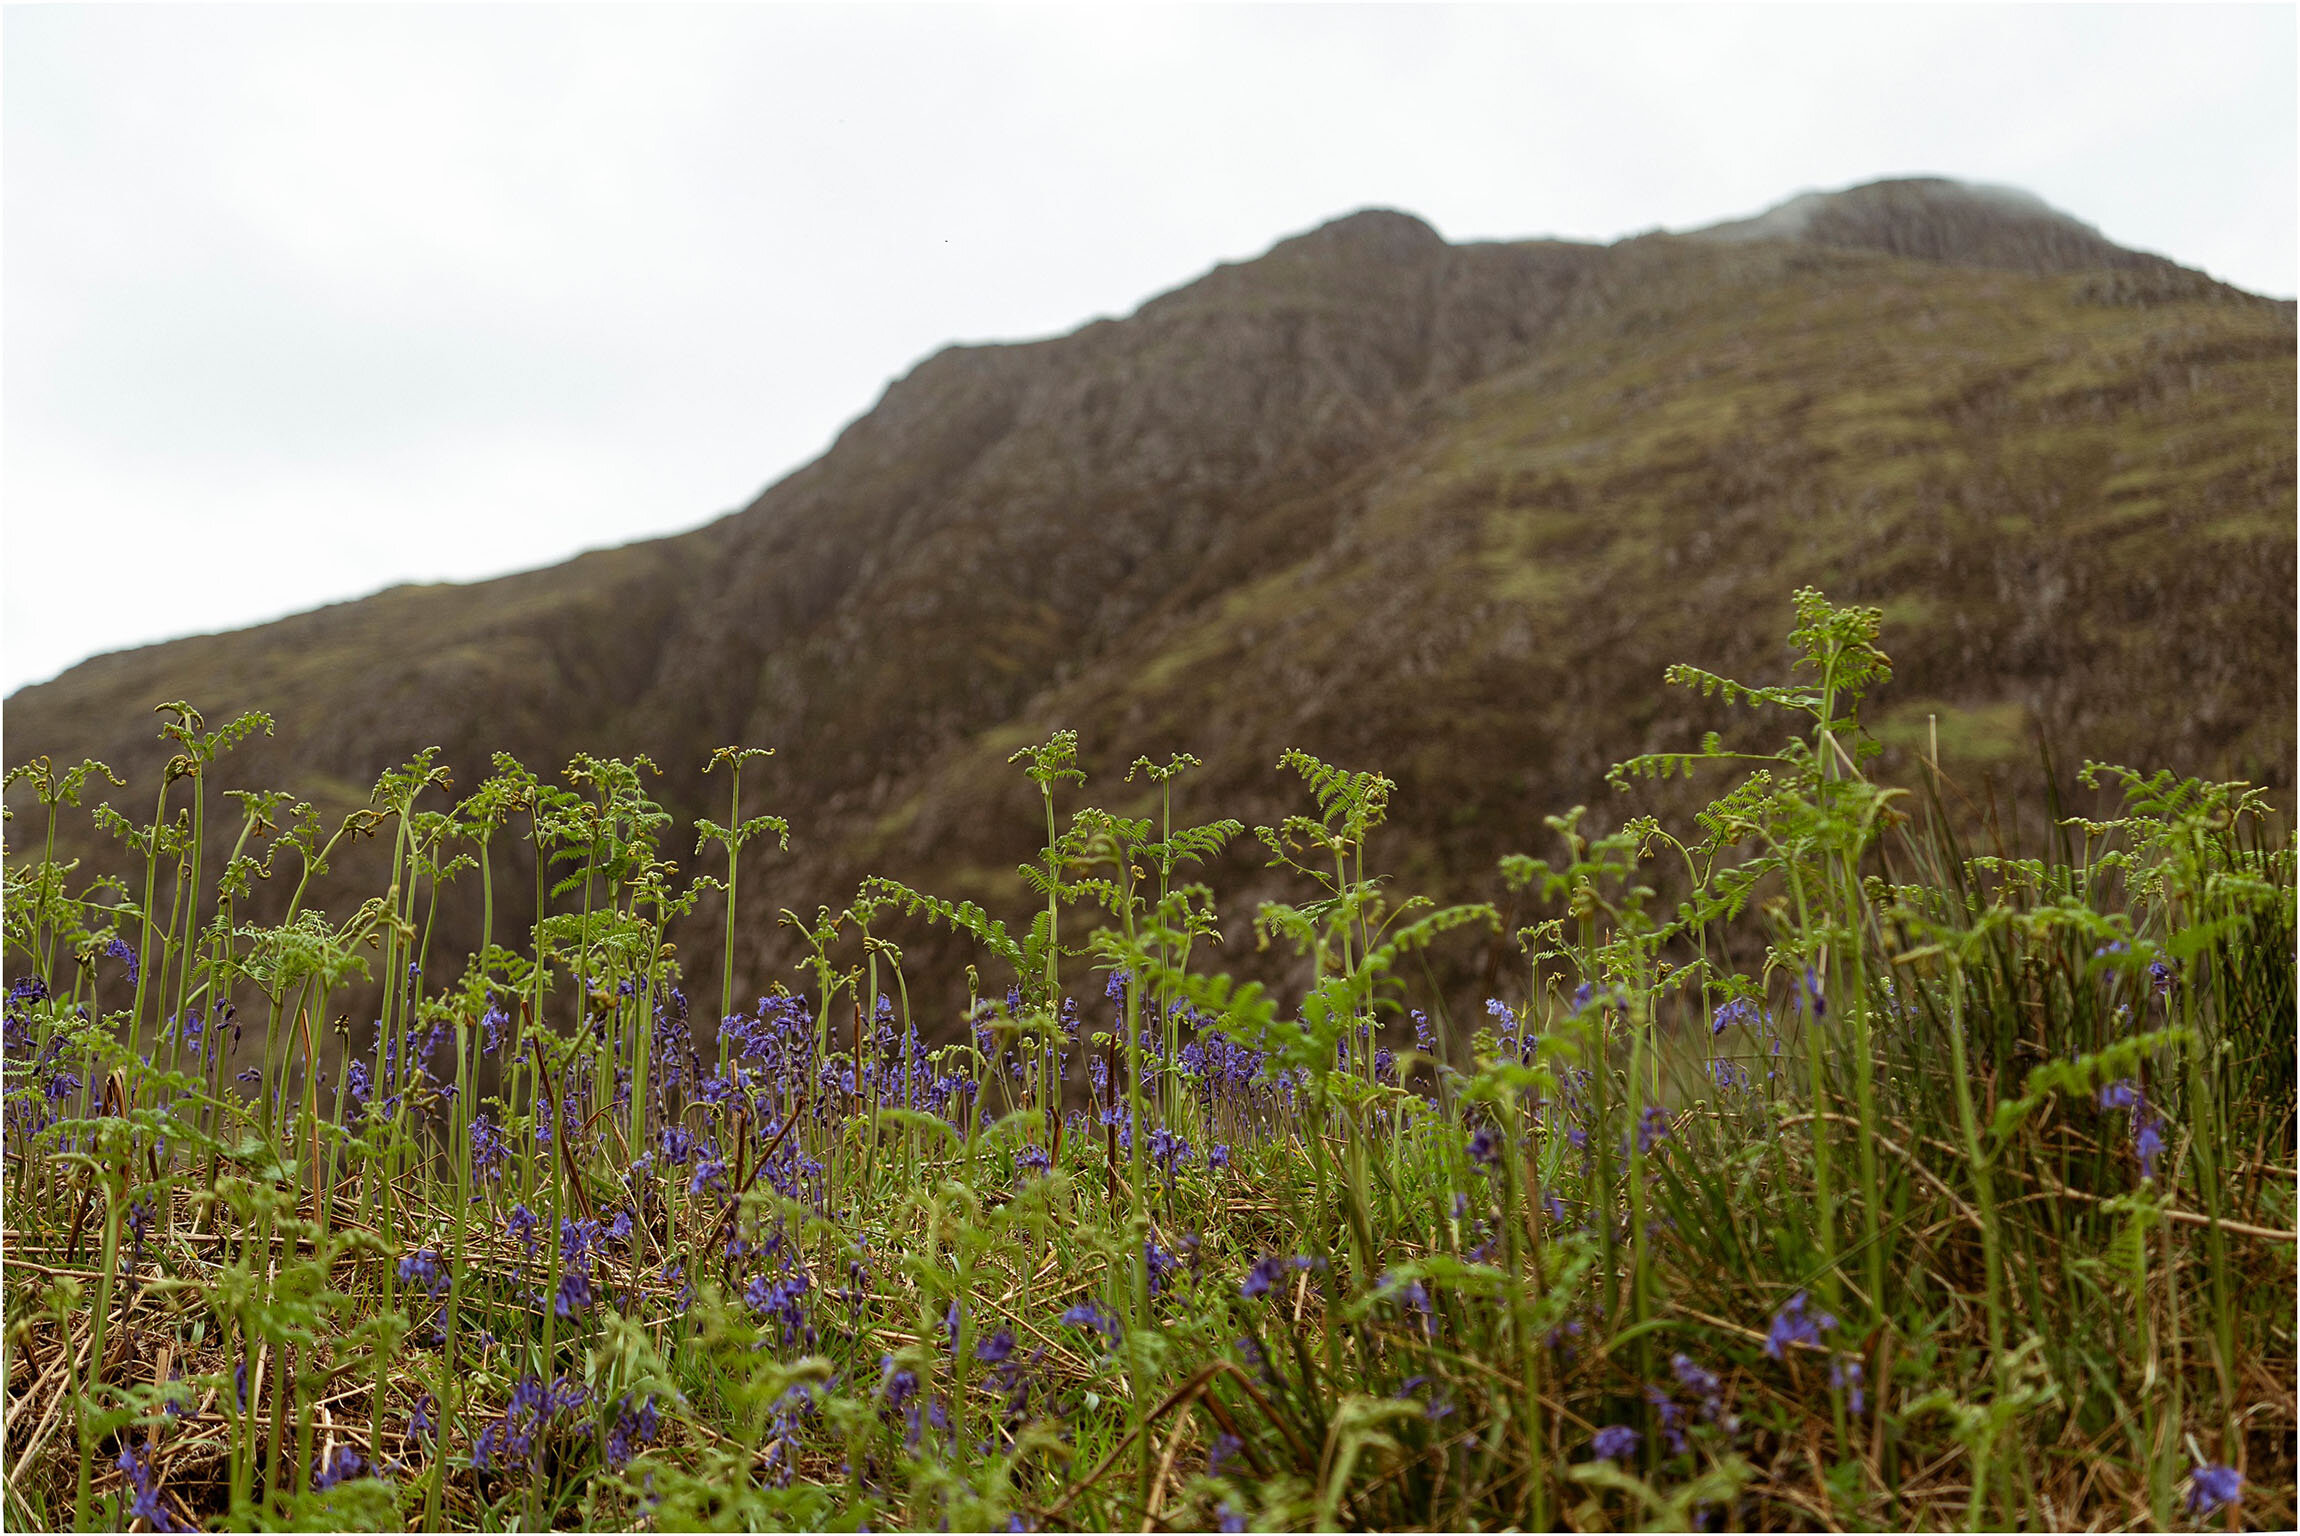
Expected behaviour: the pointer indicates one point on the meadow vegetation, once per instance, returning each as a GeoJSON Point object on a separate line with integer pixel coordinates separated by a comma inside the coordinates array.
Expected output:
{"type": "Point", "coordinates": [1878, 1183]}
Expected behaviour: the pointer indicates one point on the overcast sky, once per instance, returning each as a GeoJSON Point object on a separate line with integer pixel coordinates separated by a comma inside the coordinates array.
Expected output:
{"type": "Point", "coordinates": [299, 302]}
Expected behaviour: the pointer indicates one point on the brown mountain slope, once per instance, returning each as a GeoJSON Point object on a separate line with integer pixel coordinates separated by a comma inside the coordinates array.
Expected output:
{"type": "Point", "coordinates": [1443, 510]}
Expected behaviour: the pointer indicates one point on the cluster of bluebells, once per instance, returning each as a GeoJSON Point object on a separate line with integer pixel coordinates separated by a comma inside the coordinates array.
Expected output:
{"type": "Point", "coordinates": [421, 1270]}
{"type": "Point", "coordinates": [1269, 1271]}
{"type": "Point", "coordinates": [1703, 1387]}
{"type": "Point", "coordinates": [635, 1425]}
{"type": "Point", "coordinates": [534, 1410]}
{"type": "Point", "coordinates": [145, 1503]}
{"type": "Point", "coordinates": [2147, 1125]}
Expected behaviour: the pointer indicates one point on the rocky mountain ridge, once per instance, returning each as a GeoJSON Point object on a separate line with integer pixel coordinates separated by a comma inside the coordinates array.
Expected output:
{"type": "Point", "coordinates": [1444, 510]}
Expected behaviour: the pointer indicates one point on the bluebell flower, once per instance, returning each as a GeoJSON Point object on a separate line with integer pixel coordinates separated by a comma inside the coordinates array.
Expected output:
{"type": "Point", "coordinates": [422, 1268]}
{"type": "Point", "coordinates": [341, 1466]}
{"type": "Point", "coordinates": [146, 1504]}
{"type": "Point", "coordinates": [2212, 1485]}
{"type": "Point", "coordinates": [1845, 1376]}
{"type": "Point", "coordinates": [1813, 991]}
{"type": "Point", "coordinates": [1485, 1147]}
{"type": "Point", "coordinates": [1087, 1315]}
{"type": "Point", "coordinates": [1615, 1442]}
{"type": "Point", "coordinates": [2124, 1093]}
{"type": "Point", "coordinates": [1227, 1518]}
{"type": "Point", "coordinates": [2147, 1142]}
{"type": "Point", "coordinates": [1739, 1011]}
{"type": "Point", "coordinates": [119, 949]}
{"type": "Point", "coordinates": [1794, 1325]}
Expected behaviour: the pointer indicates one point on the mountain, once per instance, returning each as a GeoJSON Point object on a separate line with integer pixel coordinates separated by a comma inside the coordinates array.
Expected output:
{"type": "Point", "coordinates": [1445, 510]}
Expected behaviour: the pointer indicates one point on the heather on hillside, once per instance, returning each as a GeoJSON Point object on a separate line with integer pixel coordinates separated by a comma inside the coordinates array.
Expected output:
{"type": "Point", "coordinates": [1879, 1181]}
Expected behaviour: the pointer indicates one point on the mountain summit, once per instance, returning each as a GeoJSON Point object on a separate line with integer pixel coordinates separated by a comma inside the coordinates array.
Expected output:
{"type": "Point", "coordinates": [1931, 218]}
{"type": "Point", "coordinates": [1446, 510]}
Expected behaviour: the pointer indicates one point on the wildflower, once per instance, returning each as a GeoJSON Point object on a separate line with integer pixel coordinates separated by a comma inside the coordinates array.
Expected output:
{"type": "Point", "coordinates": [250, 1075]}
{"type": "Point", "coordinates": [995, 1349]}
{"type": "Point", "coordinates": [1672, 1418]}
{"type": "Point", "coordinates": [1227, 1518]}
{"type": "Point", "coordinates": [1087, 1315]}
{"type": "Point", "coordinates": [355, 1083]}
{"type": "Point", "coordinates": [2161, 976]}
{"type": "Point", "coordinates": [1793, 1325]}
{"type": "Point", "coordinates": [1220, 1156]}
{"type": "Point", "coordinates": [1652, 1127]}
{"type": "Point", "coordinates": [1845, 1376]}
{"type": "Point", "coordinates": [1168, 1150]}
{"type": "Point", "coordinates": [118, 949]}
{"type": "Point", "coordinates": [240, 1384]}
{"type": "Point", "coordinates": [632, 1427]}
{"type": "Point", "coordinates": [1615, 1442]}
{"type": "Point", "coordinates": [1739, 1011]}
{"type": "Point", "coordinates": [488, 1149]}
{"type": "Point", "coordinates": [419, 1422]}
{"type": "Point", "coordinates": [574, 1294]}
{"type": "Point", "coordinates": [1813, 991]}
{"type": "Point", "coordinates": [340, 1466]}
{"type": "Point", "coordinates": [2148, 1142]}
{"type": "Point", "coordinates": [710, 1173]}
{"type": "Point", "coordinates": [2124, 1093]}
{"type": "Point", "coordinates": [1691, 1376]}
{"type": "Point", "coordinates": [1267, 1271]}
{"type": "Point", "coordinates": [1218, 1455]}
{"type": "Point", "coordinates": [1485, 1147]}
{"type": "Point", "coordinates": [137, 1463]}
{"type": "Point", "coordinates": [521, 1224]}
{"type": "Point", "coordinates": [1161, 1265]}
{"type": "Point", "coordinates": [139, 1227]}
{"type": "Point", "coordinates": [1033, 1162]}
{"type": "Point", "coordinates": [422, 1268]}
{"type": "Point", "coordinates": [2212, 1485]}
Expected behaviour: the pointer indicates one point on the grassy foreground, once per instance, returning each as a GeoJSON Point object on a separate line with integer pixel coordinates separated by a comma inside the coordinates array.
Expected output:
{"type": "Point", "coordinates": [1873, 1184]}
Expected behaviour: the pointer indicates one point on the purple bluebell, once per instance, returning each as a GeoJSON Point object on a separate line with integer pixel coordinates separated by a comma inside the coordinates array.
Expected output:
{"type": "Point", "coordinates": [340, 1466]}
{"type": "Point", "coordinates": [1087, 1315]}
{"type": "Point", "coordinates": [146, 1505]}
{"type": "Point", "coordinates": [1794, 1325]}
{"type": "Point", "coordinates": [1845, 1376]}
{"type": "Point", "coordinates": [2211, 1486]}
{"type": "Point", "coordinates": [119, 949]}
{"type": "Point", "coordinates": [1485, 1147]}
{"type": "Point", "coordinates": [422, 1269]}
{"type": "Point", "coordinates": [2148, 1142]}
{"type": "Point", "coordinates": [1615, 1442]}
